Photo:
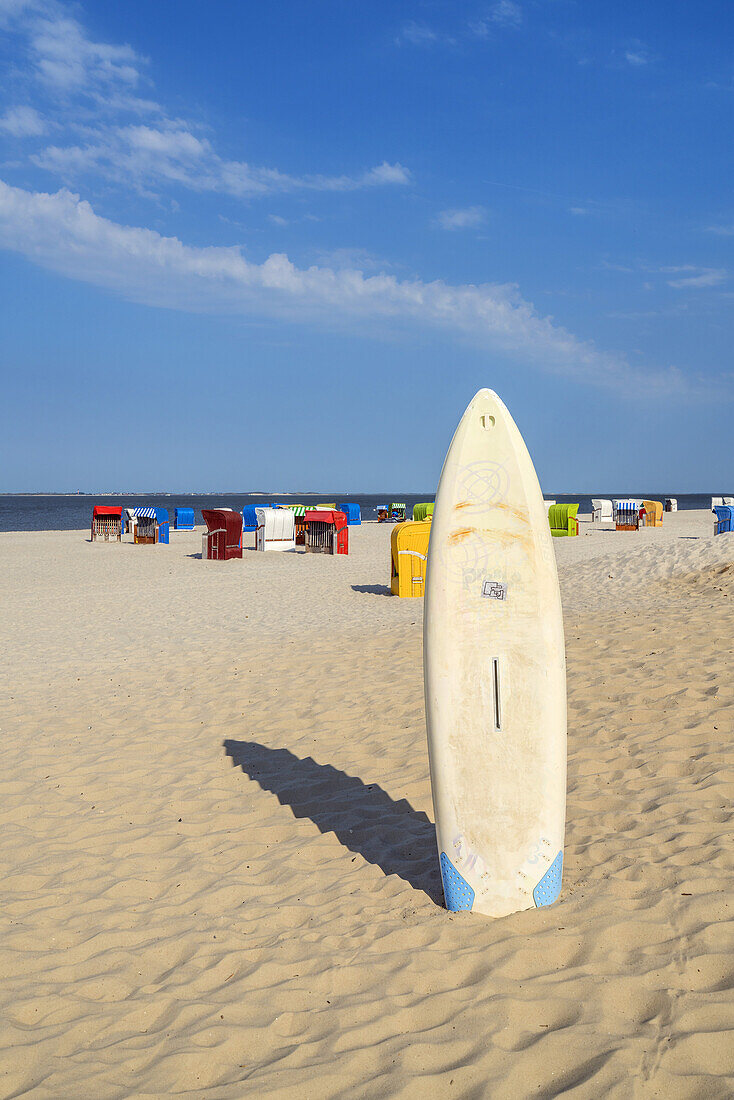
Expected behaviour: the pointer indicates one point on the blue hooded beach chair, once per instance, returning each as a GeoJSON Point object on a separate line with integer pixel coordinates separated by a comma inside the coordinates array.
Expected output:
{"type": "Point", "coordinates": [249, 519]}
{"type": "Point", "coordinates": [184, 519]}
{"type": "Point", "coordinates": [353, 514]}
{"type": "Point", "coordinates": [724, 519]}
{"type": "Point", "coordinates": [161, 517]}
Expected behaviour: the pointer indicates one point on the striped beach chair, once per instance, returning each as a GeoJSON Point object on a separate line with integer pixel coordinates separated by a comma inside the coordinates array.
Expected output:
{"type": "Point", "coordinates": [627, 514]}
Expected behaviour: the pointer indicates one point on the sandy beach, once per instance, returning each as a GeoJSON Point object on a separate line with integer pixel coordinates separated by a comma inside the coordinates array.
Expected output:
{"type": "Point", "coordinates": [219, 871]}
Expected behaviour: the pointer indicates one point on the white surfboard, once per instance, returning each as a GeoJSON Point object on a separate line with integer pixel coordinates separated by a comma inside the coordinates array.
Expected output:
{"type": "Point", "coordinates": [495, 673]}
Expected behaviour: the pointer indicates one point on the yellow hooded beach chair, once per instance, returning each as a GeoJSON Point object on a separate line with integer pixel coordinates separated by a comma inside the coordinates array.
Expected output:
{"type": "Point", "coordinates": [653, 513]}
{"type": "Point", "coordinates": [409, 550]}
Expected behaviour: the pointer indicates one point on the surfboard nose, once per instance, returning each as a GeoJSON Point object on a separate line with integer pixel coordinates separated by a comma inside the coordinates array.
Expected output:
{"type": "Point", "coordinates": [485, 409]}
{"type": "Point", "coordinates": [483, 396]}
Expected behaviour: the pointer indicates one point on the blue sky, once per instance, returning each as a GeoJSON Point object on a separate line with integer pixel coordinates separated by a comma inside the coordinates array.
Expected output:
{"type": "Point", "coordinates": [281, 245]}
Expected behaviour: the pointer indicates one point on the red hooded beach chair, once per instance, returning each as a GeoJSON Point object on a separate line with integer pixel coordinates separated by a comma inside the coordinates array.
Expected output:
{"type": "Point", "coordinates": [223, 539]}
{"type": "Point", "coordinates": [106, 523]}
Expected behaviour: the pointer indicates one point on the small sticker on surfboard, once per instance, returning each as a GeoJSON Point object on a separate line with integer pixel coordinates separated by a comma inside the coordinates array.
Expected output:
{"type": "Point", "coordinates": [494, 590]}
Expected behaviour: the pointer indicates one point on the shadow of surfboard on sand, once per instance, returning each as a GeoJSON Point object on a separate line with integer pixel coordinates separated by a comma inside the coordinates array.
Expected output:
{"type": "Point", "coordinates": [363, 817]}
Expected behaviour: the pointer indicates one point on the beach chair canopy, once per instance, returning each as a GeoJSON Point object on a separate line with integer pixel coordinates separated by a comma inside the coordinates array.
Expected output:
{"type": "Point", "coordinates": [279, 524]}
{"type": "Point", "coordinates": [297, 509]}
{"type": "Point", "coordinates": [562, 519]}
{"type": "Point", "coordinates": [184, 518]}
{"type": "Point", "coordinates": [724, 518]}
{"type": "Point", "coordinates": [327, 531]}
{"type": "Point", "coordinates": [224, 519]}
{"type": "Point", "coordinates": [249, 517]}
{"type": "Point", "coordinates": [602, 508]}
{"type": "Point", "coordinates": [326, 515]}
{"type": "Point", "coordinates": [654, 512]}
{"type": "Point", "coordinates": [422, 511]}
{"type": "Point", "coordinates": [106, 510]}
{"type": "Point", "coordinates": [164, 525]}
{"type": "Point", "coordinates": [353, 513]}
{"type": "Point", "coordinates": [408, 554]}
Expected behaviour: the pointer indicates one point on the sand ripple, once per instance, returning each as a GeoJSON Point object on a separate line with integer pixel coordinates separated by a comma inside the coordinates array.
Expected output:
{"type": "Point", "coordinates": [218, 863]}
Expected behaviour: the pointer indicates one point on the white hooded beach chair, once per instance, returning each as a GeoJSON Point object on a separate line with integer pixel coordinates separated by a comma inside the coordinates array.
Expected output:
{"type": "Point", "coordinates": [276, 529]}
{"type": "Point", "coordinates": [602, 511]}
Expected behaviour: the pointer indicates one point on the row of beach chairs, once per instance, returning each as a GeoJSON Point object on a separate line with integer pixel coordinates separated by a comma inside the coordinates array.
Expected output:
{"type": "Point", "coordinates": [318, 530]}
{"type": "Point", "coordinates": [150, 524]}
{"type": "Point", "coordinates": [629, 515]}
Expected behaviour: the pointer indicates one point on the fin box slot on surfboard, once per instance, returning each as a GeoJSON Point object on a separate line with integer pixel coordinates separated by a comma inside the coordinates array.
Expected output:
{"type": "Point", "coordinates": [496, 683]}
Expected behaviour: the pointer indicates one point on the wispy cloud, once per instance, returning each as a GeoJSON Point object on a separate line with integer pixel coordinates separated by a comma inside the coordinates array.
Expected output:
{"type": "Point", "coordinates": [504, 13]}
{"type": "Point", "coordinates": [689, 275]}
{"type": "Point", "coordinates": [66, 59]}
{"type": "Point", "coordinates": [23, 122]}
{"type": "Point", "coordinates": [501, 14]}
{"type": "Point", "coordinates": [93, 89]}
{"type": "Point", "coordinates": [417, 34]}
{"type": "Point", "coordinates": [149, 156]}
{"type": "Point", "coordinates": [636, 54]}
{"type": "Point", "coordinates": [725, 230]}
{"type": "Point", "coordinates": [63, 233]}
{"type": "Point", "coordinates": [685, 276]}
{"type": "Point", "coordinates": [352, 259]}
{"type": "Point", "coordinates": [467, 217]}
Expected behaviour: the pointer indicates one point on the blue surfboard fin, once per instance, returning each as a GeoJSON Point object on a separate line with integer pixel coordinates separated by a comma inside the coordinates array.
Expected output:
{"type": "Point", "coordinates": [549, 887]}
{"type": "Point", "coordinates": [457, 891]}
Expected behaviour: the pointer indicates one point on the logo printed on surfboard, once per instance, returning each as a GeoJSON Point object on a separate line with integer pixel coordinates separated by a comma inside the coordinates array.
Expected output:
{"type": "Point", "coordinates": [494, 590]}
{"type": "Point", "coordinates": [483, 482]}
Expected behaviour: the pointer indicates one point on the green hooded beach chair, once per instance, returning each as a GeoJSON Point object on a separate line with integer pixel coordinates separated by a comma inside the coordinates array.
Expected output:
{"type": "Point", "coordinates": [562, 519]}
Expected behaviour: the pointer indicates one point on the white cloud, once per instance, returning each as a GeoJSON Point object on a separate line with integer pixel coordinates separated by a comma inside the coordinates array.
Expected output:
{"type": "Point", "coordinates": [417, 34]}
{"type": "Point", "coordinates": [386, 173]}
{"type": "Point", "coordinates": [63, 233]}
{"type": "Point", "coordinates": [505, 13]}
{"type": "Point", "coordinates": [637, 54]}
{"type": "Point", "coordinates": [92, 87]}
{"type": "Point", "coordinates": [276, 219]}
{"type": "Point", "coordinates": [67, 59]}
{"type": "Point", "coordinates": [721, 230]}
{"type": "Point", "coordinates": [467, 218]}
{"type": "Point", "coordinates": [687, 276]}
{"type": "Point", "coordinates": [691, 276]}
{"type": "Point", "coordinates": [23, 122]}
{"type": "Point", "coordinates": [351, 259]}
{"type": "Point", "coordinates": [170, 153]}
